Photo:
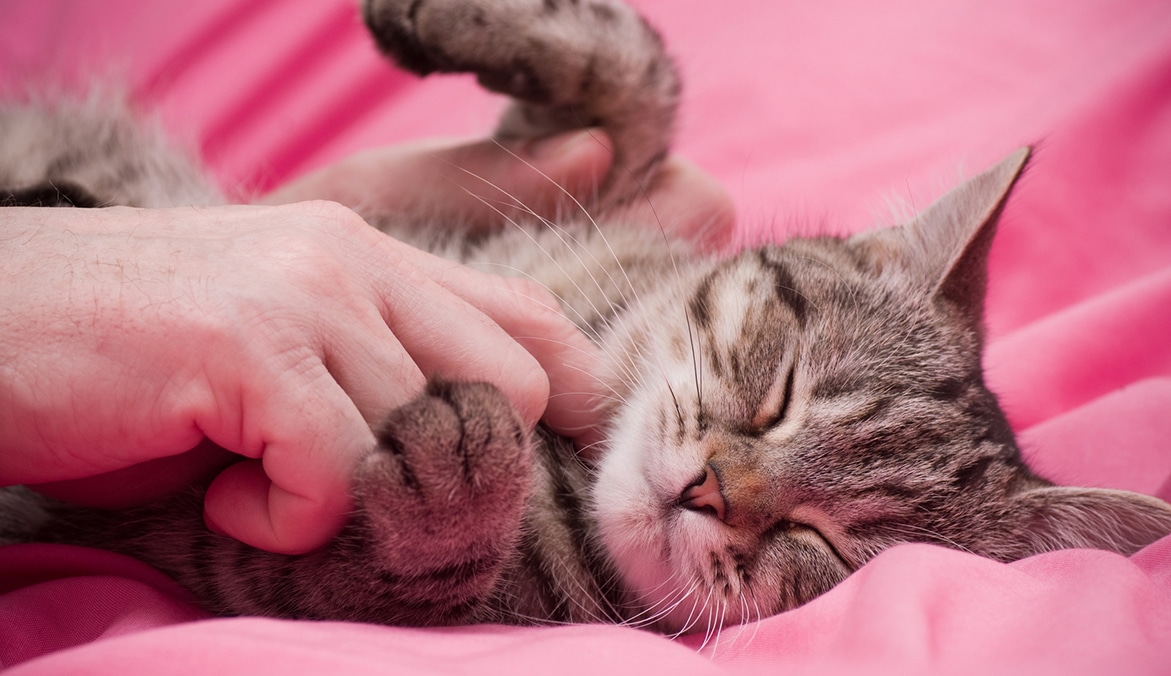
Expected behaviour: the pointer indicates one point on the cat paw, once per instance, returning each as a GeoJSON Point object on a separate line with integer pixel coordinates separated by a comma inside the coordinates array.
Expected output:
{"type": "Point", "coordinates": [543, 51]}
{"type": "Point", "coordinates": [568, 63]}
{"type": "Point", "coordinates": [449, 477]}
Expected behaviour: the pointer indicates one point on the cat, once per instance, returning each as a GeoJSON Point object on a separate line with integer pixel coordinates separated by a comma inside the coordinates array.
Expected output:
{"type": "Point", "coordinates": [778, 417]}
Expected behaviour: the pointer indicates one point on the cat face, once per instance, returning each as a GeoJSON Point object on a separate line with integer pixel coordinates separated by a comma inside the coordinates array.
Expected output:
{"type": "Point", "coordinates": [794, 410]}
{"type": "Point", "coordinates": [794, 420]}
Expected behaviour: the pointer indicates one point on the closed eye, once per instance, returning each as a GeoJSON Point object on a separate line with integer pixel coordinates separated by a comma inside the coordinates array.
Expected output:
{"type": "Point", "coordinates": [811, 535]}
{"type": "Point", "coordinates": [826, 542]}
{"type": "Point", "coordinates": [773, 411]}
{"type": "Point", "coordinates": [824, 527]}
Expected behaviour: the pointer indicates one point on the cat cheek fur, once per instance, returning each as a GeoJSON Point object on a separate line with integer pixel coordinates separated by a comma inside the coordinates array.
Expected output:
{"type": "Point", "coordinates": [629, 512]}
{"type": "Point", "coordinates": [635, 501]}
{"type": "Point", "coordinates": [668, 557]}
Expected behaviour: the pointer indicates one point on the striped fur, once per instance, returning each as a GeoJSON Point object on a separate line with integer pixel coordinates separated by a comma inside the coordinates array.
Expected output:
{"type": "Point", "coordinates": [778, 416]}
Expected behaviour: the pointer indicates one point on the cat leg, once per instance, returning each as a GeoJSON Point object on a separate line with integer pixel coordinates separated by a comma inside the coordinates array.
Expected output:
{"type": "Point", "coordinates": [440, 501]}
{"type": "Point", "coordinates": [439, 504]}
{"type": "Point", "coordinates": [568, 64]}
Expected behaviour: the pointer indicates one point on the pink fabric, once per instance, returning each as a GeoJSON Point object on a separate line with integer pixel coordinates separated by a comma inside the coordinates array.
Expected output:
{"type": "Point", "coordinates": [814, 115]}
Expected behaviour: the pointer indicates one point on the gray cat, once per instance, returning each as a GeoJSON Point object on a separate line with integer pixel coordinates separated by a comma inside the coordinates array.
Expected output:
{"type": "Point", "coordinates": [779, 416]}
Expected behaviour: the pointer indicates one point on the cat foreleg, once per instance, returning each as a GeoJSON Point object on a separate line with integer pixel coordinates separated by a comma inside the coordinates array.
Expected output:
{"type": "Point", "coordinates": [440, 501]}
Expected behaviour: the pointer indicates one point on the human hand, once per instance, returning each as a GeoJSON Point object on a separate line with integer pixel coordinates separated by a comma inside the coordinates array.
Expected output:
{"type": "Point", "coordinates": [486, 182]}
{"type": "Point", "coordinates": [266, 332]}
{"type": "Point", "coordinates": [278, 333]}
{"type": "Point", "coordinates": [483, 184]}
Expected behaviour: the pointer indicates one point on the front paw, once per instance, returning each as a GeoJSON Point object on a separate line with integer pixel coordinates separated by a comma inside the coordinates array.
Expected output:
{"type": "Point", "coordinates": [448, 481]}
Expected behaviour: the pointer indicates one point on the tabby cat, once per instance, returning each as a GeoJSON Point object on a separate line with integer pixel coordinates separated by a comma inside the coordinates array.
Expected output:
{"type": "Point", "coordinates": [779, 416]}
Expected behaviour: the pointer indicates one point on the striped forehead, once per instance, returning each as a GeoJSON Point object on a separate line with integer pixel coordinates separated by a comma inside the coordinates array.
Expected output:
{"type": "Point", "coordinates": [747, 314]}
{"type": "Point", "coordinates": [750, 292]}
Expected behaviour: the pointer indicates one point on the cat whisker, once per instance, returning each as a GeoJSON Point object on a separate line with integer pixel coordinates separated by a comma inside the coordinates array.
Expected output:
{"type": "Point", "coordinates": [693, 337]}
{"type": "Point", "coordinates": [714, 624]}
{"type": "Point", "coordinates": [620, 288]}
{"type": "Point", "coordinates": [696, 359]}
{"type": "Point", "coordinates": [573, 246]}
{"type": "Point", "coordinates": [696, 613]}
{"type": "Point", "coordinates": [652, 612]}
{"type": "Point", "coordinates": [562, 234]}
{"type": "Point", "coordinates": [752, 617]}
{"type": "Point", "coordinates": [935, 537]}
{"type": "Point", "coordinates": [581, 292]}
{"type": "Point", "coordinates": [593, 223]}
{"type": "Point", "coordinates": [624, 371]}
{"type": "Point", "coordinates": [665, 606]}
{"type": "Point", "coordinates": [576, 202]}
{"type": "Point", "coordinates": [682, 593]}
{"type": "Point", "coordinates": [582, 322]}
{"type": "Point", "coordinates": [613, 395]}
{"type": "Point", "coordinates": [590, 448]}
{"type": "Point", "coordinates": [579, 592]}
{"type": "Point", "coordinates": [565, 238]}
{"type": "Point", "coordinates": [745, 618]}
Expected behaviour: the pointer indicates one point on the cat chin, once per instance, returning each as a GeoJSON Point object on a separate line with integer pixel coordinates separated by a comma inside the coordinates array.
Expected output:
{"type": "Point", "coordinates": [628, 513]}
{"type": "Point", "coordinates": [667, 579]}
{"type": "Point", "coordinates": [661, 551]}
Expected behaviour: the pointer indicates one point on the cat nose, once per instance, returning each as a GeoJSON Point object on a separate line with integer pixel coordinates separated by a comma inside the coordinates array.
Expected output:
{"type": "Point", "coordinates": [703, 495]}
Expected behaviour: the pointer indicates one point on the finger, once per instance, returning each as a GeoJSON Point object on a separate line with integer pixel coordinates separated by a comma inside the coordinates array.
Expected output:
{"type": "Point", "coordinates": [466, 181]}
{"type": "Point", "coordinates": [490, 180]}
{"type": "Point", "coordinates": [244, 503]}
{"type": "Point", "coordinates": [141, 483]}
{"type": "Point", "coordinates": [577, 396]}
{"type": "Point", "coordinates": [371, 364]}
{"type": "Point", "coordinates": [446, 335]}
{"type": "Point", "coordinates": [530, 314]}
{"type": "Point", "coordinates": [296, 497]}
{"type": "Point", "coordinates": [686, 202]}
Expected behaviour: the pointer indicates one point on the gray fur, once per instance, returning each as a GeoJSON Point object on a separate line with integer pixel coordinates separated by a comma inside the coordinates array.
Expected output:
{"type": "Point", "coordinates": [96, 143]}
{"type": "Point", "coordinates": [778, 416]}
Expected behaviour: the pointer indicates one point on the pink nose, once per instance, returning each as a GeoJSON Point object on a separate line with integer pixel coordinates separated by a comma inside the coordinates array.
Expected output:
{"type": "Point", "coordinates": [704, 495]}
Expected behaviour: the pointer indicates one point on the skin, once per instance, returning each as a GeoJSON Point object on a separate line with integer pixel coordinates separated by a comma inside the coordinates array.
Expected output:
{"type": "Point", "coordinates": [141, 350]}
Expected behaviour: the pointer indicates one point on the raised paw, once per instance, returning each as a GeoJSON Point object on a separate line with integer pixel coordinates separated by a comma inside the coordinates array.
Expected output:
{"type": "Point", "coordinates": [449, 478]}
{"type": "Point", "coordinates": [568, 63]}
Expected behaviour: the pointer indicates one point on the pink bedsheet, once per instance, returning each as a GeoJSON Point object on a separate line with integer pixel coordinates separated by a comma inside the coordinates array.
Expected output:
{"type": "Point", "coordinates": [815, 116]}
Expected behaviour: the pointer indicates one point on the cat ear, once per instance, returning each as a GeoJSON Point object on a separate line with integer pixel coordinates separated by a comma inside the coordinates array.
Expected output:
{"type": "Point", "coordinates": [1063, 517]}
{"type": "Point", "coordinates": [946, 247]}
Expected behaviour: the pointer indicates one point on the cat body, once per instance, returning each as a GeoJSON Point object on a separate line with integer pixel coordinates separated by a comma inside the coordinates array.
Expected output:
{"type": "Point", "coordinates": [778, 416]}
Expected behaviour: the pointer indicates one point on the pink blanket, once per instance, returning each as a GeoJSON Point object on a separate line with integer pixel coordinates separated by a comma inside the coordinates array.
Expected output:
{"type": "Point", "coordinates": [815, 116]}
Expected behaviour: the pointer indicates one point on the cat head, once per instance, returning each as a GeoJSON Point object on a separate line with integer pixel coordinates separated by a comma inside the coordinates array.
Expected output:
{"type": "Point", "coordinates": [794, 410]}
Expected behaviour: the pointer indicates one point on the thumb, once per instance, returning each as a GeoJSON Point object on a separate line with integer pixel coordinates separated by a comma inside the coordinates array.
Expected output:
{"type": "Point", "coordinates": [482, 183]}
{"type": "Point", "coordinates": [490, 181]}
